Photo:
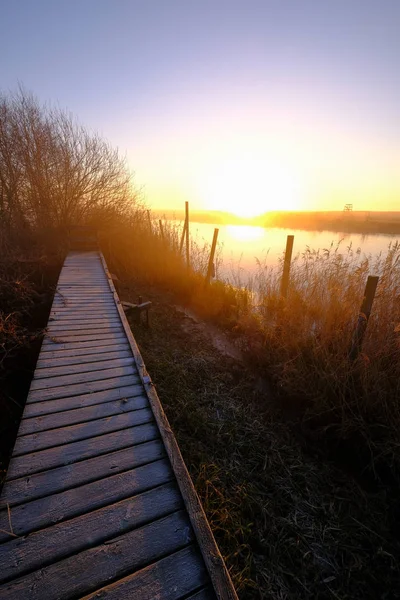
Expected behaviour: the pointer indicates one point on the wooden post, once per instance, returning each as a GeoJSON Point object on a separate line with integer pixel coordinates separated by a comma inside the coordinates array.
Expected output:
{"type": "Point", "coordinates": [286, 265]}
{"type": "Point", "coordinates": [211, 259]}
{"type": "Point", "coordinates": [183, 237]}
{"type": "Point", "coordinates": [362, 321]}
{"type": "Point", "coordinates": [161, 229]}
{"type": "Point", "coordinates": [187, 233]}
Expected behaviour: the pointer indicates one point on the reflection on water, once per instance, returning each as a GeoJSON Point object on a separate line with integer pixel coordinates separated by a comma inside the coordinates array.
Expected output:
{"type": "Point", "coordinates": [242, 245]}
{"type": "Point", "coordinates": [244, 233]}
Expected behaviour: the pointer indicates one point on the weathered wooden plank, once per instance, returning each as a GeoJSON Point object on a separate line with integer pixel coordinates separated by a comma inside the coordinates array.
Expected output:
{"type": "Point", "coordinates": [86, 285]}
{"type": "Point", "coordinates": [59, 326]}
{"type": "Point", "coordinates": [123, 393]}
{"type": "Point", "coordinates": [20, 466]}
{"type": "Point", "coordinates": [73, 315]}
{"type": "Point", "coordinates": [83, 297]}
{"type": "Point", "coordinates": [73, 308]}
{"type": "Point", "coordinates": [97, 566]}
{"type": "Point", "coordinates": [49, 383]}
{"type": "Point", "coordinates": [65, 369]}
{"type": "Point", "coordinates": [64, 332]}
{"type": "Point", "coordinates": [78, 389]}
{"type": "Point", "coordinates": [77, 320]}
{"type": "Point", "coordinates": [72, 279]}
{"type": "Point", "coordinates": [82, 349]}
{"type": "Point", "coordinates": [82, 300]}
{"type": "Point", "coordinates": [47, 511]}
{"type": "Point", "coordinates": [85, 280]}
{"type": "Point", "coordinates": [91, 288]}
{"type": "Point", "coordinates": [81, 415]}
{"type": "Point", "coordinates": [64, 340]}
{"type": "Point", "coordinates": [76, 315]}
{"type": "Point", "coordinates": [78, 296]}
{"type": "Point", "coordinates": [39, 485]}
{"type": "Point", "coordinates": [61, 361]}
{"type": "Point", "coordinates": [20, 556]}
{"type": "Point", "coordinates": [34, 442]}
{"type": "Point", "coordinates": [88, 304]}
{"type": "Point", "coordinates": [170, 578]}
{"type": "Point", "coordinates": [92, 293]}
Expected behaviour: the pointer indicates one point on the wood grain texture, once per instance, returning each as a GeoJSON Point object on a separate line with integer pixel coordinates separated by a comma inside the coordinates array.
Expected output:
{"type": "Point", "coordinates": [27, 444]}
{"type": "Point", "coordinates": [73, 321]}
{"type": "Point", "coordinates": [64, 361]}
{"type": "Point", "coordinates": [170, 578]}
{"type": "Point", "coordinates": [77, 389]}
{"type": "Point", "coordinates": [66, 332]}
{"type": "Point", "coordinates": [42, 460]}
{"type": "Point", "coordinates": [121, 394]}
{"type": "Point", "coordinates": [83, 313]}
{"type": "Point", "coordinates": [83, 349]}
{"type": "Point", "coordinates": [97, 566]}
{"type": "Point", "coordinates": [49, 383]}
{"type": "Point", "coordinates": [39, 485]}
{"type": "Point", "coordinates": [84, 367]}
{"type": "Point", "coordinates": [64, 341]}
{"type": "Point", "coordinates": [20, 556]}
{"type": "Point", "coordinates": [47, 511]}
{"type": "Point", "coordinates": [81, 415]}
{"type": "Point", "coordinates": [60, 326]}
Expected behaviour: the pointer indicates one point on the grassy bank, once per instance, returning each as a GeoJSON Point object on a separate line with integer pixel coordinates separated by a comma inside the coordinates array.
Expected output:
{"type": "Point", "coordinates": [290, 523]}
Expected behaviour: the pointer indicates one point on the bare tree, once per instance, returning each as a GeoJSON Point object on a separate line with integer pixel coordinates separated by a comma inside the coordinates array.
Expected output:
{"type": "Point", "coordinates": [53, 172]}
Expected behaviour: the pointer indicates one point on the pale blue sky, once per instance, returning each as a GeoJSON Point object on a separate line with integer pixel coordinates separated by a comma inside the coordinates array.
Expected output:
{"type": "Point", "coordinates": [308, 90]}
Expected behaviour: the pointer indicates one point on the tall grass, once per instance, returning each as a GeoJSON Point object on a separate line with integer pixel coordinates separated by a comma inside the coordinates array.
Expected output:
{"type": "Point", "coordinates": [301, 343]}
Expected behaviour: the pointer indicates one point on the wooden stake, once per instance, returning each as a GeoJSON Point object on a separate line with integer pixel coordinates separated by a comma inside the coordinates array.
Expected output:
{"type": "Point", "coordinates": [286, 266]}
{"type": "Point", "coordinates": [183, 237]}
{"type": "Point", "coordinates": [362, 321]}
{"type": "Point", "coordinates": [211, 259]}
{"type": "Point", "coordinates": [187, 233]}
{"type": "Point", "coordinates": [161, 229]}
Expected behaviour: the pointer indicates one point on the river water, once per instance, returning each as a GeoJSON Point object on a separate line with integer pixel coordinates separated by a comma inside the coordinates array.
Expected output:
{"type": "Point", "coordinates": [240, 246]}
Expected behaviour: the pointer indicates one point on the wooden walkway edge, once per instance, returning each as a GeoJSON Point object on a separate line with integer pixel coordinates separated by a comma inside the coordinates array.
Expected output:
{"type": "Point", "coordinates": [97, 501]}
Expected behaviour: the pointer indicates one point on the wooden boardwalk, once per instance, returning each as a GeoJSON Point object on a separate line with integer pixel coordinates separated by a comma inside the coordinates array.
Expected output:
{"type": "Point", "coordinates": [97, 501]}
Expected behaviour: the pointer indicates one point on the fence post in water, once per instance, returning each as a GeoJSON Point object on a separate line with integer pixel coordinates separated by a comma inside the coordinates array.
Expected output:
{"type": "Point", "coordinates": [365, 311]}
{"type": "Point", "coordinates": [286, 265]}
{"type": "Point", "coordinates": [187, 233]}
{"type": "Point", "coordinates": [211, 259]}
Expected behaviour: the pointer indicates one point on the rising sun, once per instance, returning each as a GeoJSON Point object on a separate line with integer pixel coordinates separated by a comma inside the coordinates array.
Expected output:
{"type": "Point", "coordinates": [248, 187]}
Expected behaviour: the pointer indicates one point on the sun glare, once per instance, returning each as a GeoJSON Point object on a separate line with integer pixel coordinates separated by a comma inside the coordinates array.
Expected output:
{"type": "Point", "coordinates": [249, 187]}
{"type": "Point", "coordinates": [245, 233]}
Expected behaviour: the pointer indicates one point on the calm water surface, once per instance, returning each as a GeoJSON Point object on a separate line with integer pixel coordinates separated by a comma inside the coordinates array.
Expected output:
{"type": "Point", "coordinates": [241, 245]}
